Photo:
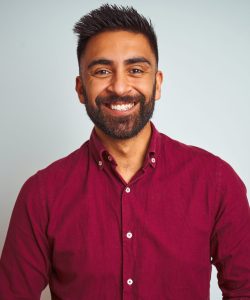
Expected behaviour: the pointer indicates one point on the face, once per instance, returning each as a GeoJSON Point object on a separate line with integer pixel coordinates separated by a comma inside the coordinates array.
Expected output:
{"type": "Point", "coordinates": [119, 82]}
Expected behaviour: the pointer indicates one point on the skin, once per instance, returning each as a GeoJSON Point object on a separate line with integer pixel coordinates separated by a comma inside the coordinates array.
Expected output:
{"type": "Point", "coordinates": [121, 63]}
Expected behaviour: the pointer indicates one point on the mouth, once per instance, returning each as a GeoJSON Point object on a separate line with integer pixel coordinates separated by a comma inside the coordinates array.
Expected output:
{"type": "Point", "coordinates": [121, 106]}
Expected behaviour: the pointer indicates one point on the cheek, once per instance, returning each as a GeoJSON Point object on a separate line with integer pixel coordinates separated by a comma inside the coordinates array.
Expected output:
{"type": "Point", "coordinates": [145, 87]}
{"type": "Point", "coordinates": [95, 88]}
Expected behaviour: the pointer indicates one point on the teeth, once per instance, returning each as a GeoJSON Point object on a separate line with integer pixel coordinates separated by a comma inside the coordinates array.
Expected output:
{"type": "Point", "coordinates": [122, 107]}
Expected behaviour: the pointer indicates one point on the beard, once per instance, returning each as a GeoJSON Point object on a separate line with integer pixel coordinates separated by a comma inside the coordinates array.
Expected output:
{"type": "Point", "coordinates": [124, 127]}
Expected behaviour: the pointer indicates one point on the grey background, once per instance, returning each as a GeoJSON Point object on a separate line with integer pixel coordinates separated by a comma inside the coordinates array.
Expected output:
{"type": "Point", "coordinates": [204, 54]}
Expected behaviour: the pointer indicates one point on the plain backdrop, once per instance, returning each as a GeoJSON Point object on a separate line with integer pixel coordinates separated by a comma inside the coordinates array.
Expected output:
{"type": "Point", "coordinates": [204, 53]}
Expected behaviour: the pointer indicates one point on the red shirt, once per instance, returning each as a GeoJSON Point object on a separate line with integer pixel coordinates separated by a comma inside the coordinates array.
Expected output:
{"type": "Point", "coordinates": [79, 227]}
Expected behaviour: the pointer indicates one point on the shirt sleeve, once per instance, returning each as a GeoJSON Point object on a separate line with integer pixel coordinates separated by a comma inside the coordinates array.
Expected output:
{"type": "Point", "coordinates": [24, 265]}
{"type": "Point", "coordinates": [230, 240]}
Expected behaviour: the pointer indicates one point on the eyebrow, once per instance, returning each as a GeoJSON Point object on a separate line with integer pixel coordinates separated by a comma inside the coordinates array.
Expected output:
{"type": "Point", "coordinates": [135, 60]}
{"type": "Point", "coordinates": [108, 62]}
{"type": "Point", "coordinates": [101, 61]}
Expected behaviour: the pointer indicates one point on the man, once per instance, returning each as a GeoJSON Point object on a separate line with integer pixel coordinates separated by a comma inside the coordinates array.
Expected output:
{"type": "Point", "coordinates": [132, 214]}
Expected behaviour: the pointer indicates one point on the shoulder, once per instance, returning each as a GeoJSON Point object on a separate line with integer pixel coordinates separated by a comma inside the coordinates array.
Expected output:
{"type": "Point", "coordinates": [67, 162]}
{"type": "Point", "coordinates": [178, 152]}
{"type": "Point", "coordinates": [198, 162]}
{"type": "Point", "coordinates": [58, 172]}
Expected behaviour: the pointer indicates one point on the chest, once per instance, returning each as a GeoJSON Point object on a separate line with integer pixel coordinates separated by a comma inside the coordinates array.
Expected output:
{"type": "Point", "coordinates": [160, 211]}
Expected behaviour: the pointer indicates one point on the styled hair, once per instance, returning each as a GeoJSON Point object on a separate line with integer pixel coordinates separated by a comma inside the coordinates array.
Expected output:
{"type": "Point", "coordinates": [113, 18]}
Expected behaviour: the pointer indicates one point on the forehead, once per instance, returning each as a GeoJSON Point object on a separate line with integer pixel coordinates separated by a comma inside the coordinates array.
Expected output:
{"type": "Point", "coordinates": [118, 46]}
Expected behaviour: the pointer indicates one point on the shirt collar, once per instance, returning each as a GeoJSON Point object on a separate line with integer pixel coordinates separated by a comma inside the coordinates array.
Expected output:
{"type": "Point", "coordinates": [97, 149]}
{"type": "Point", "coordinates": [101, 155]}
{"type": "Point", "coordinates": [151, 155]}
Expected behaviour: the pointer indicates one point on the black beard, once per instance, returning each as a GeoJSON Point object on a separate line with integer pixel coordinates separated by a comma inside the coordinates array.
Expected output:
{"type": "Point", "coordinates": [121, 127]}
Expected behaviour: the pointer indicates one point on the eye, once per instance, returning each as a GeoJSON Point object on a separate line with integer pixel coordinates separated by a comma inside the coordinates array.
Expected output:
{"type": "Point", "coordinates": [101, 73]}
{"type": "Point", "coordinates": [136, 71]}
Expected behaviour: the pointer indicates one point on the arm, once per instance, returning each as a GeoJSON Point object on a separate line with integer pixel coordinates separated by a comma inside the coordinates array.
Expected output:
{"type": "Point", "coordinates": [24, 265]}
{"type": "Point", "coordinates": [230, 241]}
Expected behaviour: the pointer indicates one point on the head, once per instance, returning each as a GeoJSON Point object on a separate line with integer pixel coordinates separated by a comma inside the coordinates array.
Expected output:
{"type": "Point", "coordinates": [113, 18]}
{"type": "Point", "coordinates": [119, 79]}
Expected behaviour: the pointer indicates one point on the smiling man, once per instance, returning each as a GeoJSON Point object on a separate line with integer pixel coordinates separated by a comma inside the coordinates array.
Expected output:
{"type": "Point", "coordinates": [132, 214]}
{"type": "Point", "coordinates": [119, 83]}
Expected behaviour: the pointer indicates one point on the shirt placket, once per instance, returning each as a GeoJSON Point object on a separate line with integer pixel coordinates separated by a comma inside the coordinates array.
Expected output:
{"type": "Point", "coordinates": [127, 250]}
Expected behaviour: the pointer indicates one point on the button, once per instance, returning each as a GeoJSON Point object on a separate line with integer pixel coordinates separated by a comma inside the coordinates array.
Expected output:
{"type": "Point", "coordinates": [153, 160]}
{"type": "Point", "coordinates": [129, 281]}
{"type": "Point", "coordinates": [100, 163]}
{"type": "Point", "coordinates": [127, 189]}
{"type": "Point", "coordinates": [129, 235]}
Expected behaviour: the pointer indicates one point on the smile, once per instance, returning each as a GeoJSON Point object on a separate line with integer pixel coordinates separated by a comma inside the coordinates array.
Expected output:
{"type": "Point", "coordinates": [122, 107]}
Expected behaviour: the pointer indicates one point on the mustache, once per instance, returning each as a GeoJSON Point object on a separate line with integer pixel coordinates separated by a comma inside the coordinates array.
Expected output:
{"type": "Point", "coordinates": [113, 99]}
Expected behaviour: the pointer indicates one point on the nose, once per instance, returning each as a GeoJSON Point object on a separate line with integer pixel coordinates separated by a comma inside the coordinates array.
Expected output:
{"type": "Point", "coordinates": [119, 84]}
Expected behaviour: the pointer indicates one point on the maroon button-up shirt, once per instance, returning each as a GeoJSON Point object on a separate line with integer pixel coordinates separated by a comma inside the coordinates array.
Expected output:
{"type": "Point", "coordinates": [79, 227]}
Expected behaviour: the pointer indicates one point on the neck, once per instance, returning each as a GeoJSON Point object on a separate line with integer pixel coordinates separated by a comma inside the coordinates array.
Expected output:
{"type": "Point", "coordinates": [130, 153]}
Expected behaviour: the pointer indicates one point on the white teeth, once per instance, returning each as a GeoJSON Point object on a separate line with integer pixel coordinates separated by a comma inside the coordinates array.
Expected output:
{"type": "Point", "coordinates": [122, 107]}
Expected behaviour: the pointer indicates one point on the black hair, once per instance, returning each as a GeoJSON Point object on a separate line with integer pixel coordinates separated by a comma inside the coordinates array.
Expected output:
{"type": "Point", "coordinates": [112, 18]}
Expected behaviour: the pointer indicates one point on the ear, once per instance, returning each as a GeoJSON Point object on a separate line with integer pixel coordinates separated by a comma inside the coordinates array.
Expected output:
{"type": "Point", "coordinates": [158, 83]}
{"type": "Point", "coordinates": [79, 89]}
